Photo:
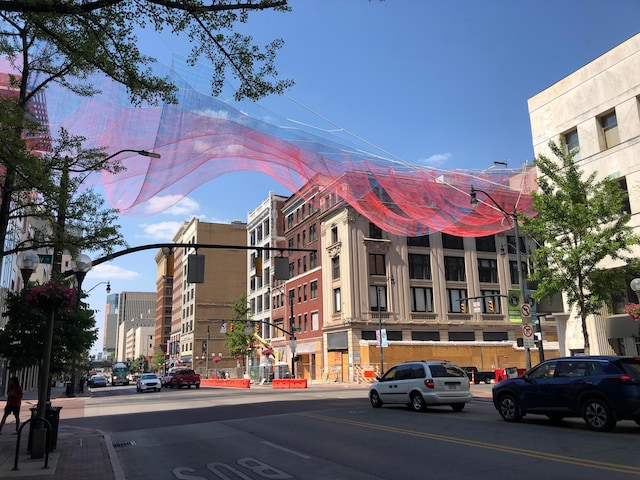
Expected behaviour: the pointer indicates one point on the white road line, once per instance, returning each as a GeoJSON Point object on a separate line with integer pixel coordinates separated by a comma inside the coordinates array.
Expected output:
{"type": "Point", "coordinates": [302, 455]}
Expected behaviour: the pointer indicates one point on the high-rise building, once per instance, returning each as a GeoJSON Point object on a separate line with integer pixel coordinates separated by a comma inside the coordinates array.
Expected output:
{"type": "Point", "coordinates": [134, 308]}
{"type": "Point", "coordinates": [110, 330]}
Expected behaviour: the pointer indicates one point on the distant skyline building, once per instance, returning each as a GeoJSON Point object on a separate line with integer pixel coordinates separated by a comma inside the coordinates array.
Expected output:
{"type": "Point", "coordinates": [132, 307]}
{"type": "Point", "coordinates": [110, 329]}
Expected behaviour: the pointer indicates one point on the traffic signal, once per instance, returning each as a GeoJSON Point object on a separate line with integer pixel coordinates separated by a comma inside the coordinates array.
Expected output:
{"type": "Point", "coordinates": [463, 307]}
{"type": "Point", "coordinates": [258, 328]}
{"type": "Point", "coordinates": [491, 308]}
{"type": "Point", "coordinates": [231, 328]}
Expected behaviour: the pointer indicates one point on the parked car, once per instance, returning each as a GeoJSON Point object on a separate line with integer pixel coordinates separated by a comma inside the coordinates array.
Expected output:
{"type": "Point", "coordinates": [184, 377]}
{"type": "Point", "coordinates": [97, 381]}
{"type": "Point", "coordinates": [600, 389]}
{"type": "Point", "coordinates": [421, 384]}
{"type": "Point", "coordinates": [476, 376]}
{"type": "Point", "coordinates": [148, 381]}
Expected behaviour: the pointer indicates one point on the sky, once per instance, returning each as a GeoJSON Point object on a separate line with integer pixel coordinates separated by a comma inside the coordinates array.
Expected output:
{"type": "Point", "coordinates": [428, 82]}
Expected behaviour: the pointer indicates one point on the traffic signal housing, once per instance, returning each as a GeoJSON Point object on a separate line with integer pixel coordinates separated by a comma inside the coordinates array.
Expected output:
{"type": "Point", "coordinates": [231, 328]}
{"type": "Point", "coordinates": [463, 307]}
{"type": "Point", "coordinates": [491, 307]}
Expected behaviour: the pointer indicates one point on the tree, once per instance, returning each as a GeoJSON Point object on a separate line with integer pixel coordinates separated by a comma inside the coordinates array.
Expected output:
{"type": "Point", "coordinates": [139, 365]}
{"type": "Point", "coordinates": [21, 340]}
{"type": "Point", "coordinates": [100, 36]}
{"type": "Point", "coordinates": [580, 224]}
{"type": "Point", "coordinates": [237, 340]}
{"type": "Point", "coordinates": [157, 360]}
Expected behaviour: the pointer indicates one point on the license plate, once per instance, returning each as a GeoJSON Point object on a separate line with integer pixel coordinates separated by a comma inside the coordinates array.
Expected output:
{"type": "Point", "coordinates": [452, 386]}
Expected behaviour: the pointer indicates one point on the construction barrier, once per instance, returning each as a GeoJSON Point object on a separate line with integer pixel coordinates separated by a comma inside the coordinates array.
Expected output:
{"type": "Point", "coordinates": [278, 383]}
{"type": "Point", "coordinates": [226, 382]}
{"type": "Point", "coordinates": [365, 374]}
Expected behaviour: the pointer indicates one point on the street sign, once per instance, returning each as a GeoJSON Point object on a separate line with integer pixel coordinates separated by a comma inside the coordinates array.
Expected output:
{"type": "Point", "coordinates": [525, 310]}
{"type": "Point", "coordinates": [477, 308]}
{"type": "Point", "coordinates": [46, 259]}
{"type": "Point", "coordinates": [528, 335]}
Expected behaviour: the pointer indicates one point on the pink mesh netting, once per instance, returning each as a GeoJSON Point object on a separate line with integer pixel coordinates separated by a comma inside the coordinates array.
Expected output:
{"type": "Point", "coordinates": [202, 138]}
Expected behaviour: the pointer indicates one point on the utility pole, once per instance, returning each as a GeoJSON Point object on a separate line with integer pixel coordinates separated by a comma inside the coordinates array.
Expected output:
{"type": "Point", "coordinates": [292, 344]}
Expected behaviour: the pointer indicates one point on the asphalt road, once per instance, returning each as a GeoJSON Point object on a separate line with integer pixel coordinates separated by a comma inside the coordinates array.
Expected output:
{"type": "Point", "coordinates": [333, 433]}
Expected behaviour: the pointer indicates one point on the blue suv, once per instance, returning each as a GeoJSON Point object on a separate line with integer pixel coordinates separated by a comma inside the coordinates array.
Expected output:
{"type": "Point", "coordinates": [600, 389]}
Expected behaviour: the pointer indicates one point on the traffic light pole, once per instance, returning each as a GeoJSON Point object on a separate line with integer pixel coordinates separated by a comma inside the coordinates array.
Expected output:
{"type": "Point", "coordinates": [293, 338]}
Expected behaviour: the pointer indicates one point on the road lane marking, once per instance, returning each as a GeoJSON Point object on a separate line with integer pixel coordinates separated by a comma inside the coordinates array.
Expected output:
{"type": "Point", "coordinates": [293, 452]}
{"type": "Point", "coordinates": [488, 446]}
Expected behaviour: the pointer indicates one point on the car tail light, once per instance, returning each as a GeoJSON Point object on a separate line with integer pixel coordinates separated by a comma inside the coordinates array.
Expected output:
{"type": "Point", "coordinates": [622, 378]}
{"type": "Point", "coordinates": [429, 383]}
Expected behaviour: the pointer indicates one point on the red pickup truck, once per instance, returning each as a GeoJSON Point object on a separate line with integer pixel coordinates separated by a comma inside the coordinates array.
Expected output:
{"type": "Point", "coordinates": [184, 378]}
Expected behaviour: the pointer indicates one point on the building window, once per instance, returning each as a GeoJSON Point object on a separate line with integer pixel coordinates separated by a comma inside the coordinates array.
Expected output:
{"type": "Point", "coordinates": [377, 264]}
{"type": "Point", "coordinates": [292, 270]}
{"type": "Point", "coordinates": [299, 294]}
{"type": "Point", "coordinates": [421, 299]}
{"type": "Point", "coordinates": [609, 126]}
{"type": "Point", "coordinates": [314, 289]}
{"type": "Point", "coordinates": [267, 301]}
{"type": "Point", "coordinates": [334, 234]}
{"type": "Point", "coordinates": [455, 298]}
{"type": "Point", "coordinates": [452, 242]}
{"type": "Point", "coordinates": [375, 231]}
{"type": "Point", "coordinates": [290, 242]}
{"type": "Point", "coordinates": [486, 244]}
{"type": "Point", "coordinates": [312, 233]}
{"type": "Point", "coordinates": [490, 301]}
{"type": "Point", "coordinates": [259, 304]}
{"type": "Point", "coordinates": [335, 268]}
{"type": "Point", "coordinates": [487, 270]}
{"type": "Point", "coordinates": [376, 291]}
{"type": "Point", "coordinates": [626, 207]}
{"type": "Point", "coordinates": [511, 244]}
{"type": "Point", "coordinates": [315, 322]}
{"type": "Point", "coordinates": [419, 266]}
{"type": "Point", "coordinates": [290, 221]}
{"type": "Point", "coordinates": [313, 259]}
{"type": "Point", "coordinates": [571, 141]}
{"type": "Point", "coordinates": [259, 233]}
{"type": "Point", "coordinates": [454, 269]}
{"type": "Point", "coordinates": [422, 241]}
{"type": "Point", "coordinates": [252, 237]}
{"type": "Point", "coordinates": [304, 292]}
{"type": "Point", "coordinates": [337, 300]}
{"type": "Point", "coordinates": [266, 226]}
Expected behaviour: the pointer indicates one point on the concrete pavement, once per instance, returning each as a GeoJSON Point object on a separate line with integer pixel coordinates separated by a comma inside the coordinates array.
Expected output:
{"type": "Point", "coordinates": [88, 453]}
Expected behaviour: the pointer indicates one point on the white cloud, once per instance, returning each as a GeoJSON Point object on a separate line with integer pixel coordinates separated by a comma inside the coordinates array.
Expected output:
{"type": "Point", "coordinates": [435, 160]}
{"type": "Point", "coordinates": [161, 231]}
{"type": "Point", "coordinates": [110, 272]}
{"type": "Point", "coordinates": [172, 205]}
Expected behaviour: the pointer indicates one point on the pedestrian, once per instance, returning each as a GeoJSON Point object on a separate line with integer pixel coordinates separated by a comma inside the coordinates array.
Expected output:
{"type": "Point", "coordinates": [14, 400]}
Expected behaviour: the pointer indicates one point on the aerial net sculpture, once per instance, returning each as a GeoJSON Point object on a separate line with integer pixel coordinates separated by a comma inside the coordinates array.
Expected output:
{"type": "Point", "coordinates": [202, 138]}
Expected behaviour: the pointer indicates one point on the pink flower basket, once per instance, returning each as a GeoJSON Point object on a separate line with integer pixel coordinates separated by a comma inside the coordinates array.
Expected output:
{"type": "Point", "coordinates": [52, 296]}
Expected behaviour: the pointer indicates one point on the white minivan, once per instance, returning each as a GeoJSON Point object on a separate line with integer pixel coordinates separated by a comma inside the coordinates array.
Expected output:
{"type": "Point", "coordinates": [420, 384]}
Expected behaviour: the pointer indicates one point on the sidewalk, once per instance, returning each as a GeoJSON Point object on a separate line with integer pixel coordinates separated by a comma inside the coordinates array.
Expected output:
{"type": "Point", "coordinates": [80, 453]}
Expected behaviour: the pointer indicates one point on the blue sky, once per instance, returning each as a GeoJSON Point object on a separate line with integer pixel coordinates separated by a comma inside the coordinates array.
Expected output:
{"type": "Point", "coordinates": [428, 82]}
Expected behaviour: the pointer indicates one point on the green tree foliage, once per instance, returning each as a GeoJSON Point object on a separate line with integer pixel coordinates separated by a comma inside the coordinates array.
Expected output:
{"type": "Point", "coordinates": [580, 223]}
{"type": "Point", "coordinates": [237, 339]}
{"type": "Point", "coordinates": [139, 365]}
{"type": "Point", "coordinates": [84, 37]}
{"type": "Point", "coordinates": [21, 341]}
{"type": "Point", "coordinates": [157, 361]}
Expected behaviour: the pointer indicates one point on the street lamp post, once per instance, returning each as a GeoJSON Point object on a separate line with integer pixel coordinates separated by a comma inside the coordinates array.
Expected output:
{"type": "Point", "coordinates": [516, 230]}
{"type": "Point", "coordinates": [108, 289]}
{"type": "Point", "coordinates": [378, 287]}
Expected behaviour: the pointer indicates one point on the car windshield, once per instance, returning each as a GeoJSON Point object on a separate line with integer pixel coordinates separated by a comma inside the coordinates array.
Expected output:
{"type": "Point", "coordinates": [149, 376]}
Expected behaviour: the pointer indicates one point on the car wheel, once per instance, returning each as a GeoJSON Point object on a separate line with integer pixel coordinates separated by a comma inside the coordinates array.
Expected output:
{"type": "Point", "coordinates": [417, 402]}
{"type": "Point", "coordinates": [487, 380]}
{"type": "Point", "coordinates": [597, 415]}
{"type": "Point", "coordinates": [197, 386]}
{"type": "Point", "coordinates": [457, 407]}
{"type": "Point", "coordinates": [509, 408]}
{"type": "Point", "coordinates": [374, 398]}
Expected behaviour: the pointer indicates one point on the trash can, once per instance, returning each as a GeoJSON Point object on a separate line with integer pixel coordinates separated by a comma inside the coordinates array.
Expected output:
{"type": "Point", "coordinates": [52, 415]}
{"type": "Point", "coordinates": [70, 390]}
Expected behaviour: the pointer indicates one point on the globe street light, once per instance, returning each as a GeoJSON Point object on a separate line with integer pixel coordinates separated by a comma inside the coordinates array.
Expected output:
{"type": "Point", "coordinates": [516, 230]}
{"type": "Point", "coordinates": [83, 265]}
{"type": "Point", "coordinates": [635, 286]}
{"type": "Point", "coordinates": [27, 263]}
